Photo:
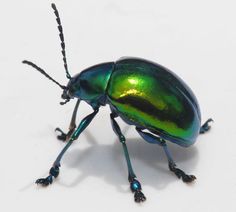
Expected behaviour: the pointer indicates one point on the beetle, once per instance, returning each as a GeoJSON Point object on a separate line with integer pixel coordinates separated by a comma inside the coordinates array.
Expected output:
{"type": "Point", "coordinates": [142, 93]}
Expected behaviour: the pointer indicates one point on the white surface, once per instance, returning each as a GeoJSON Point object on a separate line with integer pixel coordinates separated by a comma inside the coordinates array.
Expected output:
{"type": "Point", "coordinates": [195, 39]}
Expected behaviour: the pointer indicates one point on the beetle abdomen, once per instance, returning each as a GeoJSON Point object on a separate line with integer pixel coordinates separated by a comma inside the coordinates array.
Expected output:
{"type": "Point", "coordinates": [148, 95]}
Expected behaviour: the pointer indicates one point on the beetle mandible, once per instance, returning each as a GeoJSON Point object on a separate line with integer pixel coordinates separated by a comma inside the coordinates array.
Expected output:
{"type": "Point", "coordinates": [142, 93]}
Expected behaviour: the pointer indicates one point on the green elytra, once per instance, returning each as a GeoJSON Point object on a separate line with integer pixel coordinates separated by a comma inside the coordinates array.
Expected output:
{"type": "Point", "coordinates": [144, 94]}
{"type": "Point", "coordinates": [152, 97]}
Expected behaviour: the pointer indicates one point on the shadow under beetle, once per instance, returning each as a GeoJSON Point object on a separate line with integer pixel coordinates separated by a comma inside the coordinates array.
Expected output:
{"type": "Point", "coordinates": [142, 93]}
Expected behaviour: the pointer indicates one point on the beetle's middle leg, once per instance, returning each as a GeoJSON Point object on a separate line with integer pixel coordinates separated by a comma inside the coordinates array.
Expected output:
{"type": "Point", "coordinates": [135, 185]}
{"type": "Point", "coordinates": [65, 136]}
{"type": "Point", "coordinates": [150, 138]}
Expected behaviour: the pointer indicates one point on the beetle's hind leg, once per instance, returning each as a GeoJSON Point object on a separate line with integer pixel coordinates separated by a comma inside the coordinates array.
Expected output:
{"type": "Point", "coordinates": [173, 167]}
{"type": "Point", "coordinates": [150, 138]}
{"type": "Point", "coordinates": [65, 136]}
{"type": "Point", "coordinates": [205, 127]}
{"type": "Point", "coordinates": [135, 185]}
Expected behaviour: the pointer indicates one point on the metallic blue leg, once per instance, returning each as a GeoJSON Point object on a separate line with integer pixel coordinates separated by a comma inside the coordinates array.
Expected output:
{"type": "Point", "coordinates": [66, 136]}
{"type": "Point", "coordinates": [135, 185]}
{"type": "Point", "coordinates": [178, 172]}
{"type": "Point", "coordinates": [150, 138]}
{"type": "Point", "coordinates": [205, 127]}
{"type": "Point", "coordinates": [54, 171]}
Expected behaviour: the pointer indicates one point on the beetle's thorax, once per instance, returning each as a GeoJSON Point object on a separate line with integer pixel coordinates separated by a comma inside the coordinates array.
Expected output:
{"type": "Point", "coordinates": [90, 85]}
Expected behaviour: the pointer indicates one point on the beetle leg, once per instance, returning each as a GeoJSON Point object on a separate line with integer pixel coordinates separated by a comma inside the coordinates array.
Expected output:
{"type": "Point", "coordinates": [173, 167]}
{"type": "Point", "coordinates": [205, 127]}
{"type": "Point", "coordinates": [54, 171]}
{"type": "Point", "coordinates": [150, 138]}
{"type": "Point", "coordinates": [135, 185]}
{"type": "Point", "coordinates": [65, 136]}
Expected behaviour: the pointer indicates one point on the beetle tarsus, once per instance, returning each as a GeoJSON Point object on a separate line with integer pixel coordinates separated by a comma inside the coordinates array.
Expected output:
{"type": "Point", "coordinates": [181, 174]}
{"type": "Point", "coordinates": [188, 178]}
{"type": "Point", "coordinates": [64, 136]}
{"type": "Point", "coordinates": [205, 127]}
{"type": "Point", "coordinates": [53, 173]}
{"type": "Point", "coordinates": [139, 196]}
{"type": "Point", "coordinates": [135, 187]}
{"type": "Point", "coordinates": [45, 181]}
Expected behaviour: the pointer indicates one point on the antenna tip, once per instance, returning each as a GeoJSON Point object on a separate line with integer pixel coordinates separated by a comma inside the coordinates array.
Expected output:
{"type": "Point", "coordinates": [25, 62]}
{"type": "Point", "coordinates": [53, 6]}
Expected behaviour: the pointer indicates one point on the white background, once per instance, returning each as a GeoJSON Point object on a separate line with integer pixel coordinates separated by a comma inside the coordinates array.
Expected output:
{"type": "Point", "coordinates": [195, 39]}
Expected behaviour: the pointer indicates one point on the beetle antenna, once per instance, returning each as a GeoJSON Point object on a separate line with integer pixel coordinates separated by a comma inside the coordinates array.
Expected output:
{"type": "Point", "coordinates": [43, 72]}
{"type": "Point", "coordinates": [61, 35]}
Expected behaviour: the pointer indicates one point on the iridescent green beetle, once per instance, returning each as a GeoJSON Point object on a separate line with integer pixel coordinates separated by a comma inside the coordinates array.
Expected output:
{"type": "Point", "coordinates": [144, 94]}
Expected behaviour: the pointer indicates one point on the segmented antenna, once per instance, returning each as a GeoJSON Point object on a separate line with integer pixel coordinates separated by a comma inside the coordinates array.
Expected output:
{"type": "Point", "coordinates": [42, 72]}
{"type": "Point", "coordinates": [63, 51]}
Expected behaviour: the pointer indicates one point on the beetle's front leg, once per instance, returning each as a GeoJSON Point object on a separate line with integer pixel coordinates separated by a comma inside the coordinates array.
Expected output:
{"type": "Point", "coordinates": [65, 136]}
{"type": "Point", "coordinates": [54, 171]}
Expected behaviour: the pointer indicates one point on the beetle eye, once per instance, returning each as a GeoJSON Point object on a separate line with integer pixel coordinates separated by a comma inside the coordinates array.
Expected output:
{"type": "Point", "coordinates": [70, 93]}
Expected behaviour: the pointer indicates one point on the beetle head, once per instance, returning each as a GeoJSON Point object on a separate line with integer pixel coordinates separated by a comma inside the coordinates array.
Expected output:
{"type": "Point", "coordinates": [65, 96]}
{"type": "Point", "coordinates": [69, 92]}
